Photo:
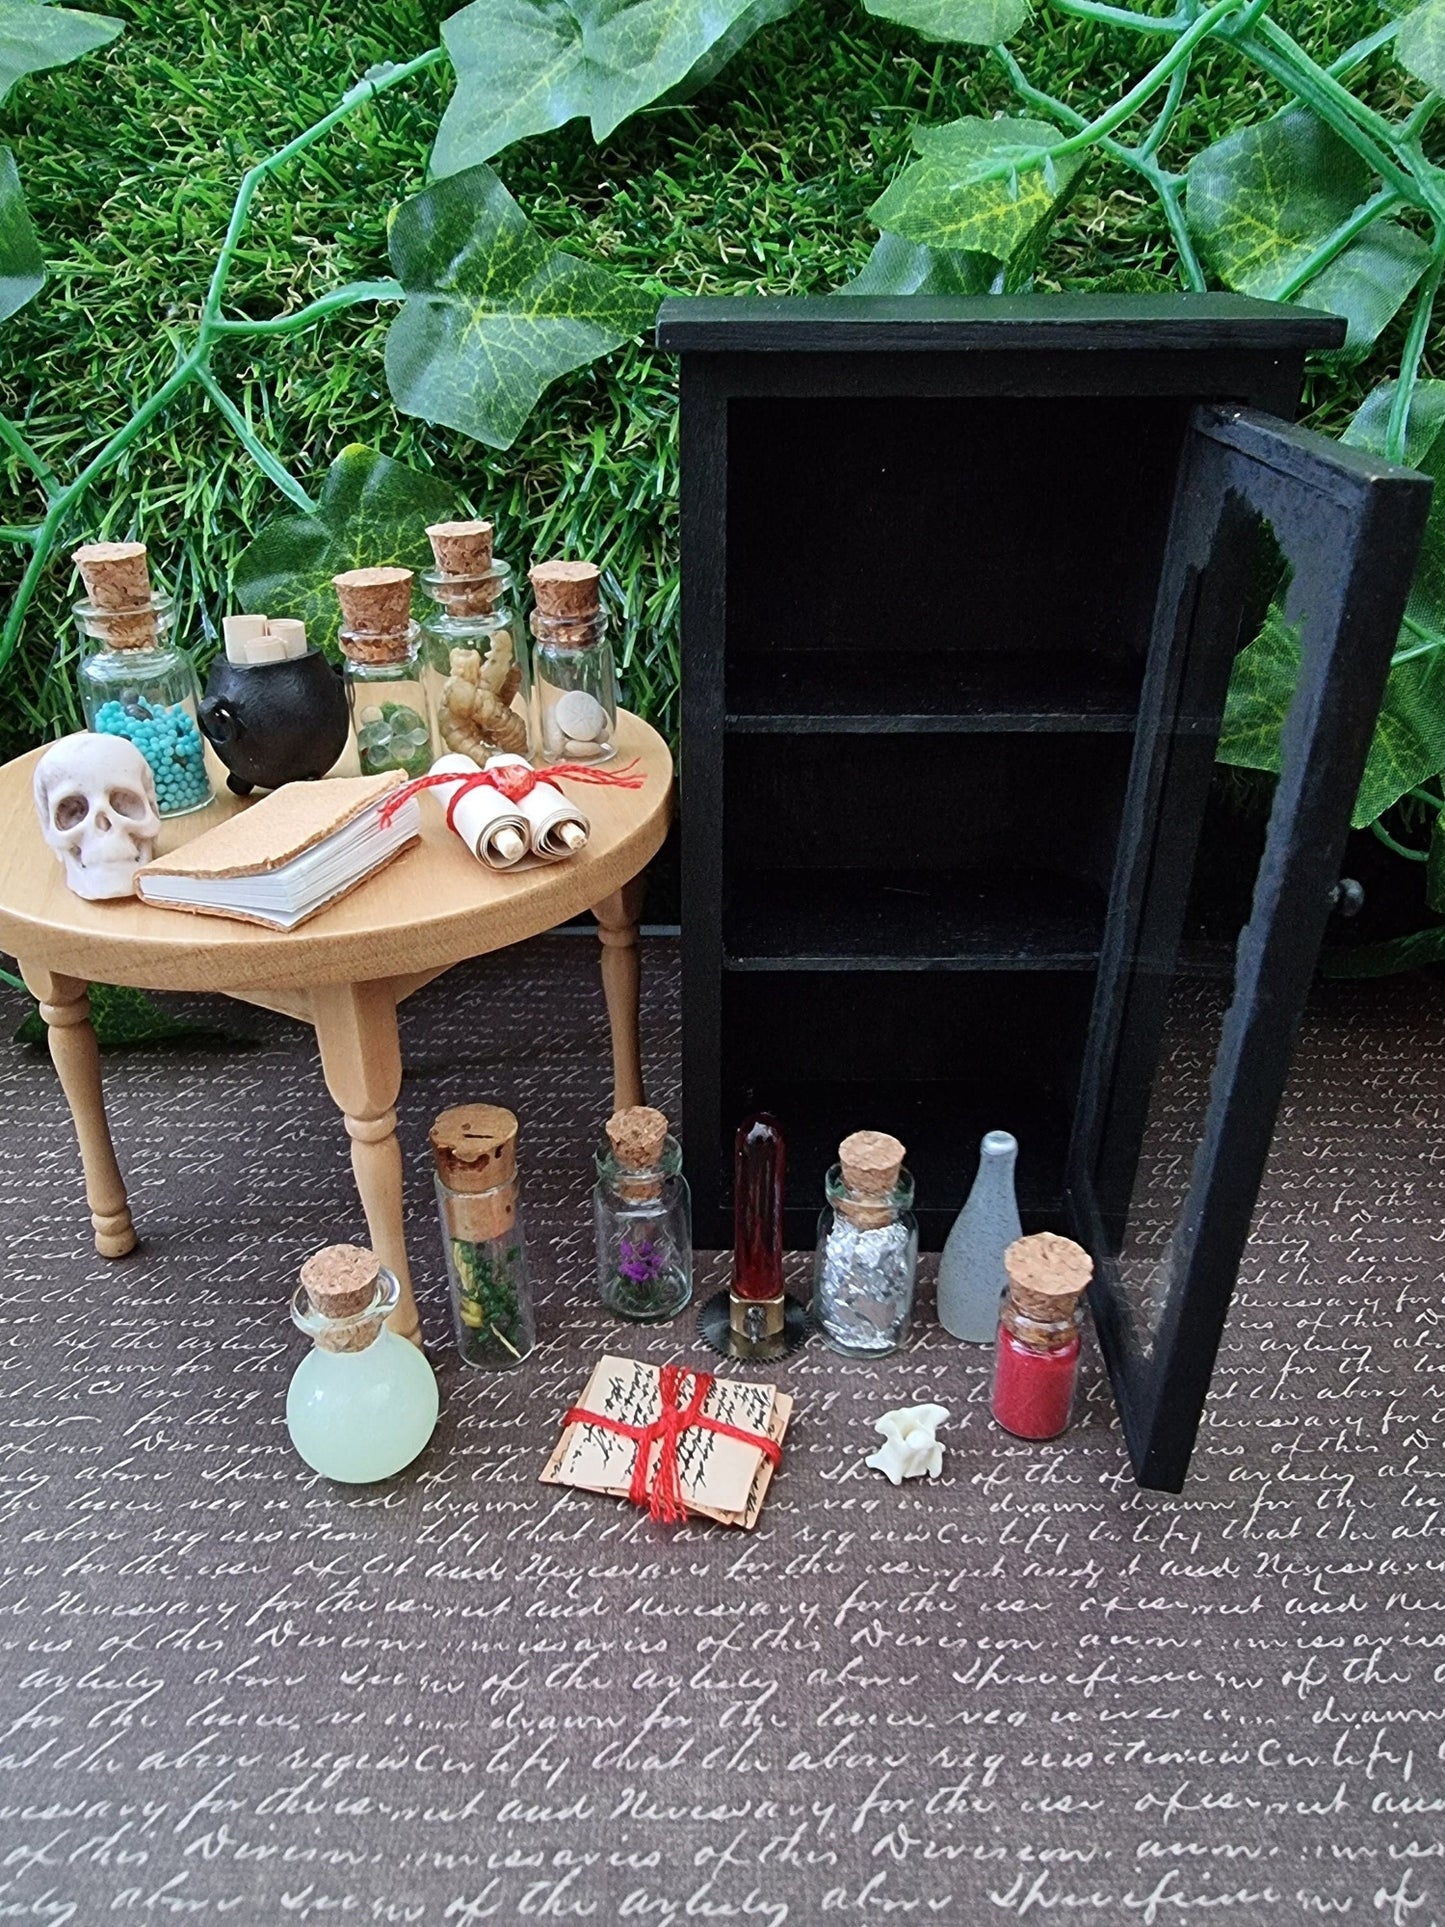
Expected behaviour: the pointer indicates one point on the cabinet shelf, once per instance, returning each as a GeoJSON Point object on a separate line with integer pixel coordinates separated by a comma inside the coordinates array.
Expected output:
{"type": "Point", "coordinates": [813, 920]}
{"type": "Point", "coordinates": [939, 692]}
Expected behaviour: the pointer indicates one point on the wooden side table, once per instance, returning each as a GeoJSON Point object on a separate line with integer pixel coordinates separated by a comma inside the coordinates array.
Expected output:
{"type": "Point", "coordinates": [344, 972]}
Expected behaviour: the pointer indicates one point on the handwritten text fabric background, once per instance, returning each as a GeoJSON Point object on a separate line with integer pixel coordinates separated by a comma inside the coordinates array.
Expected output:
{"type": "Point", "coordinates": [229, 1691]}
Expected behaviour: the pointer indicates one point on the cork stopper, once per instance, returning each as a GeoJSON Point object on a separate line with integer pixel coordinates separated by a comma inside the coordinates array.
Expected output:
{"type": "Point", "coordinates": [464, 550]}
{"type": "Point", "coordinates": [637, 1136]}
{"type": "Point", "coordinates": [566, 589]}
{"type": "Point", "coordinates": [568, 601]}
{"type": "Point", "coordinates": [118, 584]}
{"type": "Point", "coordinates": [375, 613]}
{"type": "Point", "coordinates": [340, 1281]}
{"type": "Point", "coordinates": [461, 548]}
{"type": "Point", "coordinates": [870, 1162]}
{"type": "Point", "coordinates": [1047, 1275]}
{"type": "Point", "coordinates": [475, 1150]}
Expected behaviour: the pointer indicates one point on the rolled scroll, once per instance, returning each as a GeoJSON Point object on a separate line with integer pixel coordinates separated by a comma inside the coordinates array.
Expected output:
{"type": "Point", "coordinates": [492, 828]}
{"type": "Point", "coordinates": [555, 824]}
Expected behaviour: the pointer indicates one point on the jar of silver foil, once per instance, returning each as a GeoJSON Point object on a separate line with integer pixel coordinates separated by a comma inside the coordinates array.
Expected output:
{"type": "Point", "coordinates": [867, 1256]}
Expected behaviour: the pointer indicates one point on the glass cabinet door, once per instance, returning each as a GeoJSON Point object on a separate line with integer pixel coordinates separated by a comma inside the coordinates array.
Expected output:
{"type": "Point", "coordinates": [1279, 532]}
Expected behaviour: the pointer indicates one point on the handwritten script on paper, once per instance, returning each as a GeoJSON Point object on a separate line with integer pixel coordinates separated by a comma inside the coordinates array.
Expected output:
{"type": "Point", "coordinates": [231, 1692]}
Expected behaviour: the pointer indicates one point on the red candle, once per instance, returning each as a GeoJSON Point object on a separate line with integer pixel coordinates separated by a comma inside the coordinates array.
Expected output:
{"type": "Point", "coordinates": [759, 1158]}
{"type": "Point", "coordinates": [1037, 1360]}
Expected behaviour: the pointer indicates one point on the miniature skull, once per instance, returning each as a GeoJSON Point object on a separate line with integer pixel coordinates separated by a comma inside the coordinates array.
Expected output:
{"type": "Point", "coordinates": [96, 800]}
{"type": "Point", "coordinates": [910, 1448]}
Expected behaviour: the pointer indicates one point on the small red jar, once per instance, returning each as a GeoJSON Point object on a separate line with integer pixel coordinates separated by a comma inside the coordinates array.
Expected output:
{"type": "Point", "coordinates": [1036, 1365]}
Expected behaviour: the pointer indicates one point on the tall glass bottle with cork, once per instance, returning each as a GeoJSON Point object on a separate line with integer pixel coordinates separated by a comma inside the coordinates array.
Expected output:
{"type": "Point", "coordinates": [363, 1403]}
{"type": "Point", "coordinates": [642, 1213]}
{"type": "Point", "coordinates": [574, 684]}
{"type": "Point", "coordinates": [386, 684]}
{"type": "Point", "coordinates": [477, 673]}
{"type": "Point", "coordinates": [135, 680]}
{"type": "Point", "coordinates": [474, 1147]}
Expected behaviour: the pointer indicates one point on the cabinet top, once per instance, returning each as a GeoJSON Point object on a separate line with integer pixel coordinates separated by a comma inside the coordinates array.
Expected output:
{"type": "Point", "coordinates": [1069, 323]}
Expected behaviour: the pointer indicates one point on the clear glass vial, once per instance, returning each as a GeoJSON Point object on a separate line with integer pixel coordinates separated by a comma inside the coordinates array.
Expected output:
{"type": "Point", "coordinates": [574, 684]}
{"type": "Point", "coordinates": [474, 658]}
{"type": "Point", "coordinates": [363, 1402]}
{"type": "Point", "coordinates": [134, 680]}
{"type": "Point", "coordinates": [642, 1214]}
{"type": "Point", "coordinates": [388, 690]}
{"type": "Point", "coordinates": [866, 1262]}
{"type": "Point", "coordinates": [474, 1147]}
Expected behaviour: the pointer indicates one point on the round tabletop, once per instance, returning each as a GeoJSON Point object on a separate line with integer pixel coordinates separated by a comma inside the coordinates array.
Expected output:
{"type": "Point", "coordinates": [433, 906]}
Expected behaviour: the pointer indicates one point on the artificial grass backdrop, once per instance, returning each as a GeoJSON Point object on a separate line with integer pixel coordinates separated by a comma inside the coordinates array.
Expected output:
{"type": "Point", "coordinates": [130, 161]}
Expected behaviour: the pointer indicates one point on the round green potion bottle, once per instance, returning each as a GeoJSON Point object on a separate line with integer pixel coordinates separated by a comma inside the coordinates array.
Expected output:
{"type": "Point", "coordinates": [363, 1402]}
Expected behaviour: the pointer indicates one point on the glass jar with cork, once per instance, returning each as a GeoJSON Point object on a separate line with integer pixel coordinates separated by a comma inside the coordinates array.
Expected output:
{"type": "Point", "coordinates": [642, 1213]}
{"type": "Point", "coordinates": [477, 671]}
{"type": "Point", "coordinates": [867, 1255]}
{"type": "Point", "coordinates": [134, 679]}
{"type": "Point", "coordinates": [386, 681]}
{"type": "Point", "coordinates": [363, 1402]}
{"type": "Point", "coordinates": [1036, 1366]}
{"type": "Point", "coordinates": [474, 1147]}
{"type": "Point", "coordinates": [574, 684]}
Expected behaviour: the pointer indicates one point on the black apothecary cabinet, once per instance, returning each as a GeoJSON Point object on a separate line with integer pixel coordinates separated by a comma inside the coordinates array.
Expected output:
{"type": "Point", "coordinates": [963, 584]}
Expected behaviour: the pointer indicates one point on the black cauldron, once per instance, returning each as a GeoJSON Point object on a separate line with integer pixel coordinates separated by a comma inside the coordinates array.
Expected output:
{"type": "Point", "coordinates": [274, 722]}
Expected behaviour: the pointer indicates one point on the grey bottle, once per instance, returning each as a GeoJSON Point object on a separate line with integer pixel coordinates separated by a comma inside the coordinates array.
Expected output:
{"type": "Point", "coordinates": [971, 1278]}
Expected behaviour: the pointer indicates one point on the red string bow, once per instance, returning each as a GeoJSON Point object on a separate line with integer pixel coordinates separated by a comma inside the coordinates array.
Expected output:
{"type": "Point", "coordinates": [662, 1492]}
{"type": "Point", "coordinates": [512, 780]}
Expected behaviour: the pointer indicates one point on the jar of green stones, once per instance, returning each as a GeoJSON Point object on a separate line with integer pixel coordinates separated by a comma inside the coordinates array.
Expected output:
{"type": "Point", "coordinates": [475, 1150]}
{"type": "Point", "coordinates": [134, 680]}
{"type": "Point", "coordinates": [387, 687]}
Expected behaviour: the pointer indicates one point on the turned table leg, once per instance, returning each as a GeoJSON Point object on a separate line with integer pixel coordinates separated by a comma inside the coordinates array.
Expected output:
{"type": "Point", "coordinates": [617, 917]}
{"type": "Point", "coordinates": [361, 1062]}
{"type": "Point", "coordinates": [65, 1006]}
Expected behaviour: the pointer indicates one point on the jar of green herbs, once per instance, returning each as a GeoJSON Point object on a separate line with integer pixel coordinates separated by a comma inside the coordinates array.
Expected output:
{"type": "Point", "coordinates": [475, 1150]}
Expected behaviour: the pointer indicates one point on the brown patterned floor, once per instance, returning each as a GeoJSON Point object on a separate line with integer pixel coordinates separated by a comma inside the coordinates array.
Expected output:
{"type": "Point", "coordinates": [229, 1691]}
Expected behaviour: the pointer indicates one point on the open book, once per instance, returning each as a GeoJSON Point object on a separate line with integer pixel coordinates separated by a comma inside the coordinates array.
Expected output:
{"type": "Point", "coordinates": [288, 856]}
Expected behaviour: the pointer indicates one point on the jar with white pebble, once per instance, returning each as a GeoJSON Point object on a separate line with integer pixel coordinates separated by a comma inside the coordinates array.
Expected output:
{"type": "Point", "coordinates": [574, 684]}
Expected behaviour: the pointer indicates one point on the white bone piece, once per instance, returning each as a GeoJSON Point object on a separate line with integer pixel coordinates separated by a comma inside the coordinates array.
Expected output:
{"type": "Point", "coordinates": [909, 1448]}
{"type": "Point", "coordinates": [95, 797]}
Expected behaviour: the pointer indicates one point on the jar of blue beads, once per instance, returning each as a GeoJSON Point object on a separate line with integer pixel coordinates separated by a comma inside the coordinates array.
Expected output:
{"type": "Point", "coordinates": [134, 681]}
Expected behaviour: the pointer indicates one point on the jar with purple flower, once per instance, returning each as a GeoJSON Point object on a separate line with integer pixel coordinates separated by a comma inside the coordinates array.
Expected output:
{"type": "Point", "coordinates": [643, 1216]}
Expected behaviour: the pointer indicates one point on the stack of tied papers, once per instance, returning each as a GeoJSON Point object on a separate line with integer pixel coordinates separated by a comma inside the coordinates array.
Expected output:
{"type": "Point", "coordinates": [719, 1477]}
{"type": "Point", "coordinates": [288, 856]}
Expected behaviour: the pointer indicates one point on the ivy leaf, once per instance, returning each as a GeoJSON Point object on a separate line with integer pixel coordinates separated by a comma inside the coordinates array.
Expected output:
{"type": "Point", "coordinates": [897, 266]}
{"type": "Point", "coordinates": [372, 511]}
{"type": "Point", "coordinates": [978, 23]}
{"type": "Point", "coordinates": [524, 66]}
{"type": "Point", "coordinates": [22, 271]}
{"type": "Point", "coordinates": [978, 187]}
{"type": "Point", "coordinates": [1368, 283]}
{"type": "Point", "coordinates": [1435, 865]}
{"type": "Point", "coordinates": [1424, 449]}
{"type": "Point", "coordinates": [125, 1019]}
{"type": "Point", "coordinates": [1420, 44]}
{"type": "Point", "coordinates": [1261, 200]}
{"type": "Point", "coordinates": [1409, 741]}
{"type": "Point", "coordinates": [755, 16]}
{"type": "Point", "coordinates": [1421, 947]}
{"type": "Point", "coordinates": [493, 312]}
{"type": "Point", "coordinates": [33, 38]}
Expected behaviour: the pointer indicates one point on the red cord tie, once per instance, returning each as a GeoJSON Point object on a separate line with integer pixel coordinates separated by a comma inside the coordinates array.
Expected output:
{"type": "Point", "coordinates": [512, 780]}
{"type": "Point", "coordinates": [663, 1495]}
